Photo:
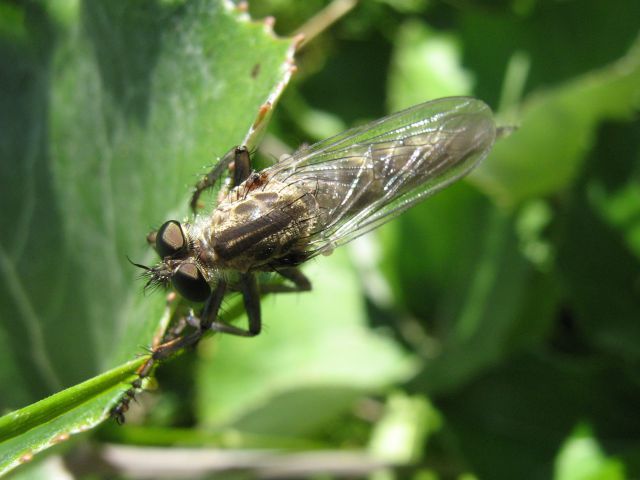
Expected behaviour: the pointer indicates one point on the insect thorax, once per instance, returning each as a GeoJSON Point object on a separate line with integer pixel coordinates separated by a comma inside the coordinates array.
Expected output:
{"type": "Point", "coordinates": [261, 228]}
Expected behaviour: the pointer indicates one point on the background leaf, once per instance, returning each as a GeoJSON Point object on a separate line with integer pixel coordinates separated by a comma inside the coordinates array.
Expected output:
{"type": "Point", "coordinates": [557, 128]}
{"type": "Point", "coordinates": [274, 382]}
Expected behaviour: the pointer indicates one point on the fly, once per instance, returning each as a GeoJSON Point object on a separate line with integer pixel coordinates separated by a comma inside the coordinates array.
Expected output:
{"type": "Point", "coordinates": [307, 204]}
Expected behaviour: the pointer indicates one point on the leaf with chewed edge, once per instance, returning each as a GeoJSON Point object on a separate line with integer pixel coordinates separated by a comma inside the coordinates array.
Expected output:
{"type": "Point", "coordinates": [142, 98]}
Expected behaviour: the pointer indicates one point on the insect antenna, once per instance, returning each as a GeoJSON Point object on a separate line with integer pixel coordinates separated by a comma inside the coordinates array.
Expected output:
{"type": "Point", "coordinates": [157, 276]}
{"type": "Point", "coordinates": [139, 265]}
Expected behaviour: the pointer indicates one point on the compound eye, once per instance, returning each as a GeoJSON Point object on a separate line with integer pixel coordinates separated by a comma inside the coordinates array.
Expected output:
{"type": "Point", "coordinates": [190, 283]}
{"type": "Point", "coordinates": [170, 239]}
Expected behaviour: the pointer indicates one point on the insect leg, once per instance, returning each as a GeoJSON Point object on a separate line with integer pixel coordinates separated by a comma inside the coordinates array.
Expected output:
{"type": "Point", "coordinates": [176, 329]}
{"type": "Point", "coordinates": [241, 165]}
{"type": "Point", "coordinates": [300, 282]}
{"type": "Point", "coordinates": [207, 321]}
{"type": "Point", "coordinates": [158, 354]}
{"type": "Point", "coordinates": [172, 343]}
{"type": "Point", "coordinates": [251, 296]}
{"type": "Point", "coordinates": [237, 158]}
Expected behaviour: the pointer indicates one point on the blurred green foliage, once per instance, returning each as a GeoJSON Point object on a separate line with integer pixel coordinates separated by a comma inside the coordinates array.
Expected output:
{"type": "Point", "coordinates": [490, 332]}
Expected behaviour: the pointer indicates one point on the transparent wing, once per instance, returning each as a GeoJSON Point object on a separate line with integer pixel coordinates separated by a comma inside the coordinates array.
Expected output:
{"type": "Point", "coordinates": [367, 175]}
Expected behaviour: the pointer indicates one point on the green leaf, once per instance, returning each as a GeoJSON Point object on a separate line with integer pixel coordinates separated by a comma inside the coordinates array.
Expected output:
{"type": "Point", "coordinates": [49, 422]}
{"type": "Point", "coordinates": [614, 186]}
{"type": "Point", "coordinates": [603, 291]}
{"type": "Point", "coordinates": [556, 129]}
{"type": "Point", "coordinates": [474, 295]}
{"type": "Point", "coordinates": [581, 458]}
{"type": "Point", "coordinates": [400, 434]}
{"type": "Point", "coordinates": [561, 40]}
{"type": "Point", "coordinates": [512, 421]}
{"type": "Point", "coordinates": [108, 119]}
{"type": "Point", "coordinates": [425, 65]}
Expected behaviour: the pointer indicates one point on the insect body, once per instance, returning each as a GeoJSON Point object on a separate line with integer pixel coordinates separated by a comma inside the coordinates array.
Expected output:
{"type": "Point", "coordinates": [309, 203]}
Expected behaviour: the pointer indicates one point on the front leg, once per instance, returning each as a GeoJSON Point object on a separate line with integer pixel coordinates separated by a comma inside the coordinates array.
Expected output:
{"type": "Point", "coordinates": [173, 342]}
{"type": "Point", "coordinates": [248, 287]}
{"type": "Point", "coordinates": [237, 159]}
